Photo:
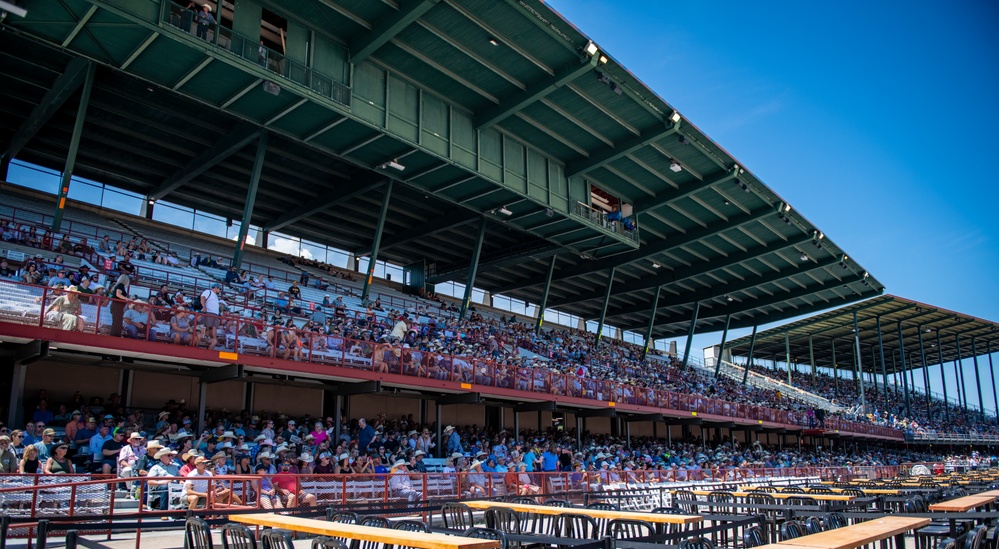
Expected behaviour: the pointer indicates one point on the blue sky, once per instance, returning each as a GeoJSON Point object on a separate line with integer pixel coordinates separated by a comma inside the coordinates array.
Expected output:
{"type": "Point", "coordinates": [875, 120]}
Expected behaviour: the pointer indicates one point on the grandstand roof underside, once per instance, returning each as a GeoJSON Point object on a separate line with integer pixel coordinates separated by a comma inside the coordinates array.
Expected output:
{"type": "Point", "coordinates": [837, 325]}
{"type": "Point", "coordinates": [163, 99]}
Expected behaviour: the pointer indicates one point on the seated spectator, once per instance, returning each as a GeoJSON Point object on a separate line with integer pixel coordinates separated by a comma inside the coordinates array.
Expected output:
{"type": "Point", "coordinates": [400, 485]}
{"type": "Point", "coordinates": [138, 322]}
{"type": "Point", "coordinates": [67, 311]}
{"type": "Point", "coordinates": [196, 491]}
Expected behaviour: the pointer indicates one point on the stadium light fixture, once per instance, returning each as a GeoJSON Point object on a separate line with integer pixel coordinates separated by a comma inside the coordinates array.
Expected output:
{"type": "Point", "coordinates": [591, 48]}
{"type": "Point", "coordinates": [729, 298]}
{"type": "Point", "coordinates": [675, 117]}
{"type": "Point", "coordinates": [603, 60]}
{"type": "Point", "coordinates": [505, 211]}
{"type": "Point", "coordinates": [804, 256]}
{"type": "Point", "coordinates": [655, 265]}
{"type": "Point", "coordinates": [394, 164]}
{"type": "Point", "coordinates": [675, 167]}
{"type": "Point", "coordinates": [493, 41]}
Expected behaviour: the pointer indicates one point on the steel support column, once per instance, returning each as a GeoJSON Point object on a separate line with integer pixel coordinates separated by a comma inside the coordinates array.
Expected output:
{"type": "Point", "coordinates": [978, 378]}
{"type": "Point", "coordinates": [926, 374]}
{"type": "Point", "coordinates": [964, 386]}
{"type": "Point", "coordinates": [690, 335]}
{"type": "Point", "coordinates": [943, 378]}
{"type": "Point", "coordinates": [749, 361]}
{"type": "Point", "coordinates": [881, 351]}
{"type": "Point", "coordinates": [473, 269]}
{"type": "Point", "coordinates": [787, 356]}
{"type": "Point", "coordinates": [251, 198]}
{"type": "Point", "coordinates": [652, 322]}
{"type": "Point", "coordinates": [905, 380]}
{"type": "Point", "coordinates": [544, 294]}
{"type": "Point", "coordinates": [811, 358]}
{"type": "Point", "coordinates": [832, 345]}
{"type": "Point", "coordinates": [74, 147]}
{"type": "Point", "coordinates": [721, 348]}
{"type": "Point", "coordinates": [992, 378]}
{"type": "Point", "coordinates": [603, 310]}
{"type": "Point", "coordinates": [860, 367]}
{"type": "Point", "coordinates": [369, 277]}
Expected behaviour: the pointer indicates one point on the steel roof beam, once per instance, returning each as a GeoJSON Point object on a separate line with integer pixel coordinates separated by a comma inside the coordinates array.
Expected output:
{"type": "Point", "coordinates": [739, 286]}
{"type": "Point", "coordinates": [519, 100]}
{"type": "Point", "coordinates": [775, 317]}
{"type": "Point", "coordinates": [609, 154]}
{"type": "Point", "coordinates": [656, 248]}
{"type": "Point", "coordinates": [387, 28]}
{"type": "Point", "coordinates": [748, 305]}
{"type": "Point", "coordinates": [312, 207]}
{"type": "Point", "coordinates": [440, 223]}
{"type": "Point", "coordinates": [241, 136]}
{"type": "Point", "coordinates": [686, 190]}
{"type": "Point", "coordinates": [534, 252]}
{"type": "Point", "coordinates": [65, 86]}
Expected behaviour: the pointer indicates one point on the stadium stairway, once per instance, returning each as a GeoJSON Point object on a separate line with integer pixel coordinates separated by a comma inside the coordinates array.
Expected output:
{"type": "Point", "coordinates": [764, 382]}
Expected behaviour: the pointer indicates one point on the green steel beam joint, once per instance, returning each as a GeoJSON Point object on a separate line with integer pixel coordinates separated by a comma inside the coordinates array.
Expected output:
{"type": "Point", "coordinates": [534, 92]}
{"type": "Point", "coordinates": [544, 295]}
{"type": "Point", "coordinates": [609, 154]}
{"type": "Point", "coordinates": [466, 301]}
{"type": "Point", "coordinates": [607, 296]}
{"type": "Point", "coordinates": [387, 28]}
{"type": "Point", "coordinates": [240, 136]}
{"type": "Point", "coordinates": [311, 207]}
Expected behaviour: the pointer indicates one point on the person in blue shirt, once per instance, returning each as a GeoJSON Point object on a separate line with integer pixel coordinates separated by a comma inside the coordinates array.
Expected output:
{"type": "Point", "coordinates": [549, 459]}
{"type": "Point", "coordinates": [453, 440]}
{"type": "Point", "coordinates": [529, 459]}
{"type": "Point", "coordinates": [365, 435]}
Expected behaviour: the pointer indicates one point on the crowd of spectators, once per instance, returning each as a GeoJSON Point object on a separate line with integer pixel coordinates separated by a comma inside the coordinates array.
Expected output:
{"type": "Point", "coordinates": [392, 337]}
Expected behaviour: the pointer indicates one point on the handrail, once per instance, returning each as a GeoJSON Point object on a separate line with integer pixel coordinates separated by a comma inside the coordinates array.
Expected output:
{"type": "Point", "coordinates": [734, 372]}
{"type": "Point", "coordinates": [254, 337]}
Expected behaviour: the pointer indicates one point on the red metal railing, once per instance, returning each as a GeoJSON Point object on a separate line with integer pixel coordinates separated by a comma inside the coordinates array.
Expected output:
{"type": "Point", "coordinates": [254, 337]}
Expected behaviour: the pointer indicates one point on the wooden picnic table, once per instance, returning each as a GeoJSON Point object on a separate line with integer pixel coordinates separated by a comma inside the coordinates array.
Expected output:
{"type": "Point", "coordinates": [875, 491]}
{"type": "Point", "coordinates": [387, 536]}
{"type": "Point", "coordinates": [594, 513]}
{"type": "Point", "coordinates": [856, 535]}
{"type": "Point", "coordinates": [990, 493]}
{"type": "Point", "coordinates": [960, 505]}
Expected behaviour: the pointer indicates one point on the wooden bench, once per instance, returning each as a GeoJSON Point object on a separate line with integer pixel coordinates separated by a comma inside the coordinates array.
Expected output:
{"type": "Point", "coordinates": [387, 536]}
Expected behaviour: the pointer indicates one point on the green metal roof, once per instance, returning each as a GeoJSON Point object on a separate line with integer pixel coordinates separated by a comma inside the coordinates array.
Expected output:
{"type": "Point", "coordinates": [489, 105]}
{"type": "Point", "coordinates": [917, 319]}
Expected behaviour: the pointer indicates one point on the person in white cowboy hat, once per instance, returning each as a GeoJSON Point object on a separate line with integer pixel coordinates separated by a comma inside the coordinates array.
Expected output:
{"type": "Point", "coordinates": [400, 485]}
{"type": "Point", "coordinates": [205, 19]}
{"type": "Point", "coordinates": [453, 440]}
{"type": "Point", "coordinates": [477, 481]}
{"type": "Point", "coordinates": [164, 468]}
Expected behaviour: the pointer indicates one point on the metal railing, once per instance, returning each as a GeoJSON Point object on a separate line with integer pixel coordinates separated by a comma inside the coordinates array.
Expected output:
{"type": "Point", "coordinates": [599, 218]}
{"type": "Point", "coordinates": [26, 304]}
{"type": "Point", "coordinates": [252, 50]}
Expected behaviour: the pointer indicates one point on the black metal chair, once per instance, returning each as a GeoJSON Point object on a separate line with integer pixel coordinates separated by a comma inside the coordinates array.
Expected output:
{"type": "Point", "coordinates": [686, 500]}
{"type": "Point", "coordinates": [669, 528]}
{"type": "Point", "coordinates": [629, 529]}
{"type": "Point", "coordinates": [813, 525]}
{"type": "Point", "coordinates": [771, 516]}
{"type": "Point", "coordinates": [503, 519]}
{"type": "Point", "coordinates": [947, 543]}
{"type": "Point", "coordinates": [198, 533]}
{"type": "Point", "coordinates": [753, 537]}
{"type": "Point", "coordinates": [603, 506]}
{"type": "Point", "coordinates": [323, 542]}
{"type": "Point", "coordinates": [237, 536]}
{"type": "Point", "coordinates": [976, 537]}
{"type": "Point", "coordinates": [835, 520]}
{"type": "Point", "coordinates": [276, 539]}
{"type": "Point", "coordinates": [791, 529]}
{"type": "Point", "coordinates": [411, 526]}
{"type": "Point", "coordinates": [856, 492]}
{"type": "Point", "coordinates": [558, 503]}
{"type": "Point", "coordinates": [820, 490]}
{"type": "Point", "coordinates": [487, 533]}
{"type": "Point", "coordinates": [343, 517]}
{"type": "Point", "coordinates": [574, 525]}
{"type": "Point", "coordinates": [800, 500]}
{"type": "Point", "coordinates": [767, 489]}
{"type": "Point", "coordinates": [376, 522]}
{"type": "Point", "coordinates": [457, 516]}
{"type": "Point", "coordinates": [793, 490]}
{"type": "Point", "coordinates": [696, 543]}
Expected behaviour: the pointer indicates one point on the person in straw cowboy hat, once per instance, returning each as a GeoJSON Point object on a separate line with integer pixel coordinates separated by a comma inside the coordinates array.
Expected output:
{"type": "Point", "coordinates": [400, 484]}
{"type": "Point", "coordinates": [453, 440]}
{"type": "Point", "coordinates": [196, 491]}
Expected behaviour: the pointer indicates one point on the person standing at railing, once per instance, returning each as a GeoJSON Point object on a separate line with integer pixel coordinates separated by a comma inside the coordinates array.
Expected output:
{"type": "Point", "coordinates": [204, 20]}
{"type": "Point", "coordinates": [119, 296]}
{"type": "Point", "coordinates": [210, 309]}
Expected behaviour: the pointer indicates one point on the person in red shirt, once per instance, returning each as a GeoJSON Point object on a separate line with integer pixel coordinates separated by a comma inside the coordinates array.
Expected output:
{"type": "Point", "coordinates": [286, 487]}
